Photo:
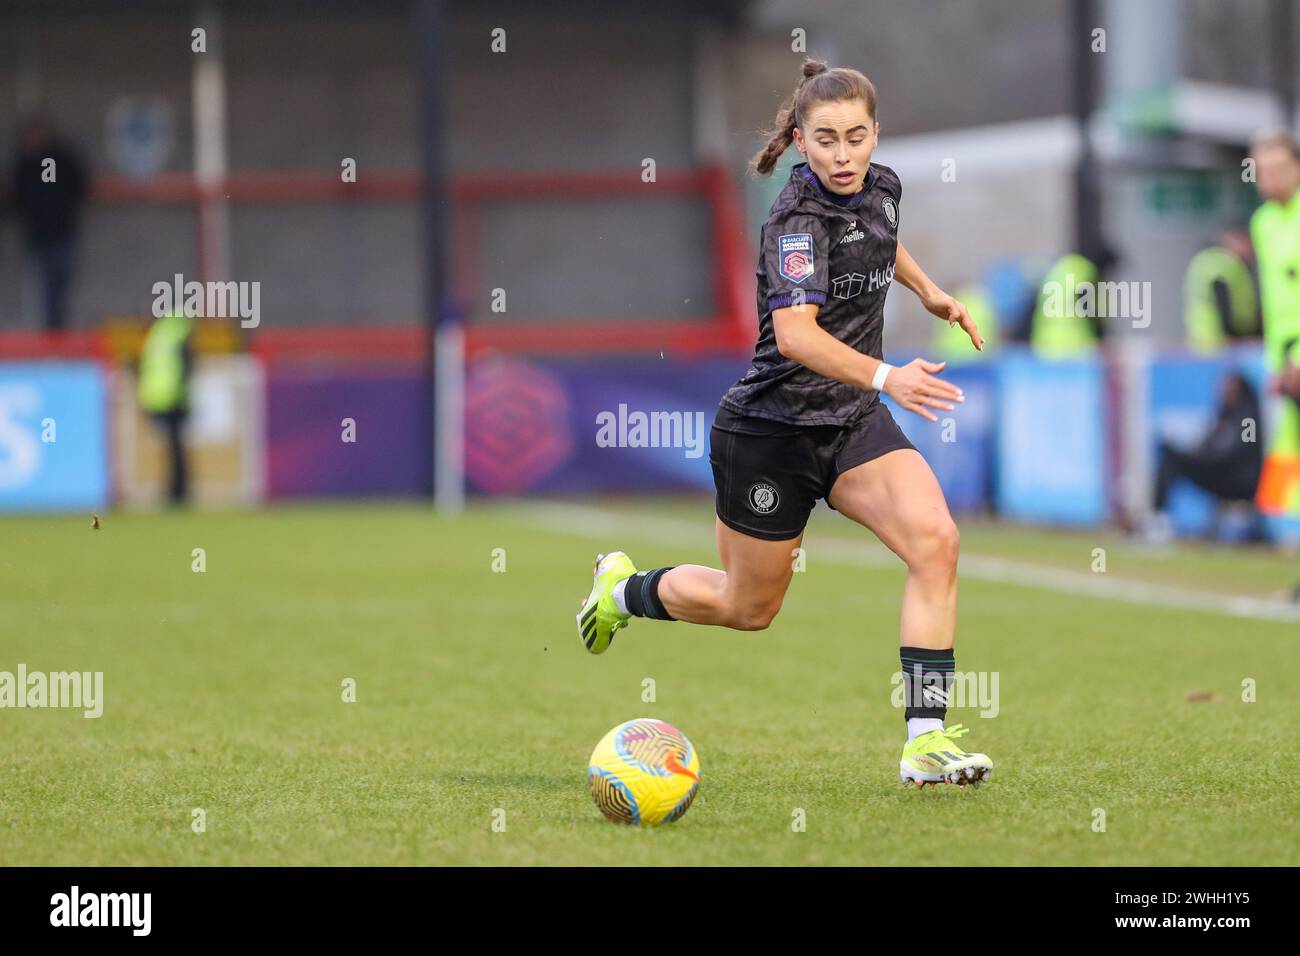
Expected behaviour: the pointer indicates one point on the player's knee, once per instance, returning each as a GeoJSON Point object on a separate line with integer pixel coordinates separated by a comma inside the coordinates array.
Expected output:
{"type": "Point", "coordinates": [755, 615]}
{"type": "Point", "coordinates": [935, 544]}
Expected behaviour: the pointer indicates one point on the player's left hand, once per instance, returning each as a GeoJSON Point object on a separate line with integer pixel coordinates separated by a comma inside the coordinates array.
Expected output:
{"type": "Point", "coordinates": [944, 306]}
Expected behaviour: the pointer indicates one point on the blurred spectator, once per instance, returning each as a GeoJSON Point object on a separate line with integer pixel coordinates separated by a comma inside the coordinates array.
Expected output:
{"type": "Point", "coordinates": [1275, 229]}
{"type": "Point", "coordinates": [49, 191]}
{"type": "Point", "coordinates": [1068, 320]}
{"type": "Point", "coordinates": [1224, 464]}
{"type": "Point", "coordinates": [166, 364]}
{"type": "Point", "coordinates": [950, 344]}
{"type": "Point", "coordinates": [1219, 298]}
{"type": "Point", "coordinates": [1013, 286]}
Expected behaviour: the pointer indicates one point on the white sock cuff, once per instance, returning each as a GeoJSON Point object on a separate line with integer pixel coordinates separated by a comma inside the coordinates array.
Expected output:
{"type": "Point", "coordinates": [916, 726]}
{"type": "Point", "coordinates": [619, 599]}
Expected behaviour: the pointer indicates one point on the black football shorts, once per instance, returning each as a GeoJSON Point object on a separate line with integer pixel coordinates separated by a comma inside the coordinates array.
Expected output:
{"type": "Point", "coordinates": [769, 475]}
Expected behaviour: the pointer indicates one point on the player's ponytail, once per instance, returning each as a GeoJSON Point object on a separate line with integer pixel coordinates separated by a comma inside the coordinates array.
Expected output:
{"type": "Point", "coordinates": [819, 84]}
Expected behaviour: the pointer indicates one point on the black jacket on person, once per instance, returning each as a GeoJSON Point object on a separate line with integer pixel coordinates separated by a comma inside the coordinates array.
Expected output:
{"type": "Point", "coordinates": [1223, 442]}
{"type": "Point", "coordinates": [49, 211]}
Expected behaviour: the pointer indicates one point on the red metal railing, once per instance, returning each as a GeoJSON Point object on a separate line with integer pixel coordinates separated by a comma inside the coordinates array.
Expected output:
{"type": "Point", "coordinates": [730, 328]}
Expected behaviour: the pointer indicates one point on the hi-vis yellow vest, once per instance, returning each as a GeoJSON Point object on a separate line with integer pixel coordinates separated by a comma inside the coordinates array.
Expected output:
{"type": "Point", "coordinates": [162, 364]}
{"type": "Point", "coordinates": [1275, 231]}
{"type": "Point", "coordinates": [950, 343]}
{"type": "Point", "coordinates": [1200, 307]}
{"type": "Point", "coordinates": [1060, 331]}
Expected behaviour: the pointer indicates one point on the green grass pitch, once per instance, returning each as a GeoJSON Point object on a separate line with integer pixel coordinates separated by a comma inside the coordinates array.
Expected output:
{"type": "Point", "coordinates": [224, 692]}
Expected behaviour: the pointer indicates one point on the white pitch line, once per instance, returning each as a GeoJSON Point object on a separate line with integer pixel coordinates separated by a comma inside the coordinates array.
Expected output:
{"type": "Point", "coordinates": [574, 519]}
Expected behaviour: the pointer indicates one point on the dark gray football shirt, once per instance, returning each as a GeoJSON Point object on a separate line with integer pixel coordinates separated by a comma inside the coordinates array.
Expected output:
{"type": "Point", "coordinates": [816, 247]}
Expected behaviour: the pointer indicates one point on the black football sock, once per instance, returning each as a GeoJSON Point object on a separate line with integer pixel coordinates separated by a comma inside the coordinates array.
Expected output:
{"type": "Point", "coordinates": [641, 593]}
{"type": "Point", "coordinates": [927, 681]}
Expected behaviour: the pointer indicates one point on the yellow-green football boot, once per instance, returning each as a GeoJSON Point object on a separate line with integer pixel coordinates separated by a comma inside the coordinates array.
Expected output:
{"type": "Point", "coordinates": [600, 616]}
{"type": "Point", "coordinates": [934, 758]}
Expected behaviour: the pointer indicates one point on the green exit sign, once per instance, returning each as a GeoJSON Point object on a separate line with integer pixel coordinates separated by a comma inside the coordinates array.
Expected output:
{"type": "Point", "coordinates": [1182, 195]}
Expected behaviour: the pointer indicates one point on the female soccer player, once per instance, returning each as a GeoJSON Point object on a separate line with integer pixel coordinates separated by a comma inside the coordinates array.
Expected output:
{"type": "Point", "coordinates": [806, 421]}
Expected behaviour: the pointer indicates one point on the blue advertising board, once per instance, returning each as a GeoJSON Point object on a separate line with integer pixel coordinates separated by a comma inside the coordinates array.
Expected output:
{"type": "Point", "coordinates": [53, 436]}
{"type": "Point", "coordinates": [960, 445]}
{"type": "Point", "coordinates": [1052, 461]}
{"type": "Point", "coordinates": [555, 426]}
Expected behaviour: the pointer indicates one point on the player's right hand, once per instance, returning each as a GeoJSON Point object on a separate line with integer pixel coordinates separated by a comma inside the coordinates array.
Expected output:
{"type": "Point", "coordinates": [916, 387]}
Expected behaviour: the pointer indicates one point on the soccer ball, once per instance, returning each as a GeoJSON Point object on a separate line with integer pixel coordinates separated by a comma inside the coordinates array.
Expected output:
{"type": "Point", "coordinates": [643, 773]}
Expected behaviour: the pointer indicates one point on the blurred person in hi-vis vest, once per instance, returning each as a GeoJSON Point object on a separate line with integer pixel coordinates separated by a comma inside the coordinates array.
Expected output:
{"type": "Point", "coordinates": [1219, 298]}
{"type": "Point", "coordinates": [166, 363]}
{"type": "Point", "coordinates": [1275, 230]}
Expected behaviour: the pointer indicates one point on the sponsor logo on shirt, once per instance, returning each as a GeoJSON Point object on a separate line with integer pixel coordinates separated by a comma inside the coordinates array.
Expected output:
{"type": "Point", "coordinates": [851, 283]}
{"type": "Point", "coordinates": [847, 285]}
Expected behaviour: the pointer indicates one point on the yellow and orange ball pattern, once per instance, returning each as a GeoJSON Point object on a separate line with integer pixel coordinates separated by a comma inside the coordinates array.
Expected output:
{"type": "Point", "coordinates": [643, 773]}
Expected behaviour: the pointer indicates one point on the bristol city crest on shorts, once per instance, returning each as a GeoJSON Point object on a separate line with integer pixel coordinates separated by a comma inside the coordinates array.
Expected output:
{"type": "Point", "coordinates": [763, 498]}
{"type": "Point", "coordinates": [795, 253]}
